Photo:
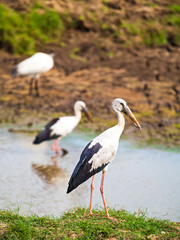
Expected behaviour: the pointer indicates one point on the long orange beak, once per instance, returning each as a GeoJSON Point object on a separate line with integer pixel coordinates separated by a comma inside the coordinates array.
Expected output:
{"type": "Point", "coordinates": [128, 112]}
{"type": "Point", "coordinates": [88, 115]}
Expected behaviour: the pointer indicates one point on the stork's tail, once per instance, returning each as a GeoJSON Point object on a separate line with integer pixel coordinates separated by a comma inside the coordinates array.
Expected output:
{"type": "Point", "coordinates": [37, 140]}
{"type": "Point", "coordinates": [71, 187]}
{"type": "Point", "coordinates": [42, 136]}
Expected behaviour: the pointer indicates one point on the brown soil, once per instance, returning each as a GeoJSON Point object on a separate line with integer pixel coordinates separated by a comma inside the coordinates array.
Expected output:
{"type": "Point", "coordinates": [85, 69]}
{"type": "Point", "coordinates": [147, 79]}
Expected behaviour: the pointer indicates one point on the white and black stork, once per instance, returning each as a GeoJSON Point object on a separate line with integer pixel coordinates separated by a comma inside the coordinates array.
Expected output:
{"type": "Point", "coordinates": [33, 67]}
{"type": "Point", "coordinates": [58, 128]}
{"type": "Point", "coordinates": [100, 152]}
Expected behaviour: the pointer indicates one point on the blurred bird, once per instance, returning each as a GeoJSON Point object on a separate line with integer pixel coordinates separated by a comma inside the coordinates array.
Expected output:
{"type": "Point", "coordinates": [100, 152]}
{"type": "Point", "coordinates": [33, 67]}
{"type": "Point", "coordinates": [58, 128]}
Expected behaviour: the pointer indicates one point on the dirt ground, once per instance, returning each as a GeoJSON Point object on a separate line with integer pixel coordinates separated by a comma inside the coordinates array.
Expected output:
{"type": "Point", "coordinates": [92, 65]}
{"type": "Point", "coordinates": [148, 79]}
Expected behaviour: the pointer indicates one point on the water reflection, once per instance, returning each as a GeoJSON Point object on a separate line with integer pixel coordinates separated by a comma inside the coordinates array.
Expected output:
{"type": "Point", "coordinates": [36, 181]}
{"type": "Point", "coordinates": [51, 173]}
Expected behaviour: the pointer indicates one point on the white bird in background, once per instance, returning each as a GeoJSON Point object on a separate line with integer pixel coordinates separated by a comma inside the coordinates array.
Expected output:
{"type": "Point", "coordinates": [100, 152]}
{"type": "Point", "coordinates": [33, 67]}
{"type": "Point", "coordinates": [58, 128]}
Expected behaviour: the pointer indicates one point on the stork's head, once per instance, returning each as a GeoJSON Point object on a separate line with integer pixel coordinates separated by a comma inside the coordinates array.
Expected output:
{"type": "Point", "coordinates": [119, 105]}
{"type": "Point", "coordinates": [81, 106]}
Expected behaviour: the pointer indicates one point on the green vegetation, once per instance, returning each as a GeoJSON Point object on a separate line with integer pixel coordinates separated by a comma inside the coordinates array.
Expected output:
{"type": "Point", "coordinates": [74, 53]}
{"type": "Point", "coordinates": [175, 8]}
{"type": "Point", "coordinates": [19, 33]}
{"type": "Point", "coordinates": [155, 37]}
{"type": "Point", "coordinates": [131, 28]}
{"type": "Point", "coordinates": [177, 125]}
{"type": "Point", "coordinates": [150, 33]}
{"type": "Point", "coordinates": [79, 225]}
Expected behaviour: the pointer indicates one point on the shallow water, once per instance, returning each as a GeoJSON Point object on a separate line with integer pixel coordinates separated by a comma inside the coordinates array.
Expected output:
{"type": "Point", "coordinates": [35, 180]}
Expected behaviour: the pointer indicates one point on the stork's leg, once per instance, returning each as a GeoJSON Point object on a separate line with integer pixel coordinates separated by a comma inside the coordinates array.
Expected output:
{"type": "Point", "coordinates": [55, 146]}
{"type": "Point", "coordinates": [36, 88]}
{"type": "Point", "coordinates": [102, 193]}
{"type": "Point", "coordinates": [30, 86]}
{"type": "Point", "coordinates": [92, 188]}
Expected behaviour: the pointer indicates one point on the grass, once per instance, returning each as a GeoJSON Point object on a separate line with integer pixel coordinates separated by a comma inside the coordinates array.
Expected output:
{"type": "Point", "coordinates": [19, 33]}
{"type": "Point", "coordinates": [78, 224]}
{"type": "Point", "coordinates": [175, 8]}
{"type": "Point", "coordinates": [74, 53]}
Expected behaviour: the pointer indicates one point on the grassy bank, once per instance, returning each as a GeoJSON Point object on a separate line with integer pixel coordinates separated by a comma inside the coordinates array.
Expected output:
{"type": "Point", "coordinates": [155, 24]}
{"type": "Point", "coordinates": [79, 225]}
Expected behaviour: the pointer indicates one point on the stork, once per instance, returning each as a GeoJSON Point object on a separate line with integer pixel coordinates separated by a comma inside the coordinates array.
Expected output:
{"type": "Point", "coordinates": [100, 152]}
{"type": "Point", "coordinates": [58, 128]}
{"type": "Point", "coordinates": [33, 67]}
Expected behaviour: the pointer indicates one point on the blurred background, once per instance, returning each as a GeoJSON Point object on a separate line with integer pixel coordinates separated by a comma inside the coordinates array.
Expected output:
{"type": "Point", "coordinates": [103, 49]}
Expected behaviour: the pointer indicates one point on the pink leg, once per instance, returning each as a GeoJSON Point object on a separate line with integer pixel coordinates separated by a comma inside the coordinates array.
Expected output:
{"type": "Point", "coordinates": [55, 146]}
{"type": "Point", "coordinates": [92, 188]}
{"type": "Point", "coordinates": [102, 193]}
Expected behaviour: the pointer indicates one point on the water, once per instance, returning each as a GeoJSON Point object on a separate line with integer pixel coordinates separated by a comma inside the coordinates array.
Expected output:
{"type": "Point", "coordinates": [35, 180]}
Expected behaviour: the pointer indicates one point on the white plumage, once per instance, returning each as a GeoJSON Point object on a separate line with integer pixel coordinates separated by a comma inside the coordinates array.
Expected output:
{"type": "Point", "coordinates": [58, 128]}
{"type": "Point", "coordinates": [33, 67]}
{"type": "Point", "coordinates": [110, 145]}
{"type": "Point", "coordinates": [100, 152]}
{"type": "Point", "coordinates": [66, 124]}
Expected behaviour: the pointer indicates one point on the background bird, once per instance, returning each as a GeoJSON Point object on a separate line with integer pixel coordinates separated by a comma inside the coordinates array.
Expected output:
{"type": "Point", "coordinates": [100, 152]}
{"type": "Point", "coordinates": [58, 128]}
{"type": "Point", "coordinates": [33, 67]}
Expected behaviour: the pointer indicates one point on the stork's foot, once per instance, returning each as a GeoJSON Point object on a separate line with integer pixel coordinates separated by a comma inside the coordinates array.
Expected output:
{"type": "Point", "coordinates": [58, 150]}
{"type": "Point", "coordinates": [90, 213]}
{"type": "Point", "coordinates": [112, 219]}
{"type": "Point", "coordinates": [93, 214]}
{"type": "Point", "coordinates": [64, 152]}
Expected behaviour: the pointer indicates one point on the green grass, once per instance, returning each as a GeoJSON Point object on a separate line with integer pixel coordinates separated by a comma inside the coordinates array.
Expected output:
{"type": "Point", "coordinates": [174, 20]}
{"type": "Point", "coordinates": [79, 225]}
{"type": "Point", "coordinates": [132, 28]}
{"type": "Point", "coordinates": [19, 33]}
{"type": "Point", "coordinates": [151, 33]}
{"type": "Point", "coordinates": [74, 53]}
{"type": "Point", "coordinates": [155, 37]}
{"type": "Point", "coordinates": [175, 8]}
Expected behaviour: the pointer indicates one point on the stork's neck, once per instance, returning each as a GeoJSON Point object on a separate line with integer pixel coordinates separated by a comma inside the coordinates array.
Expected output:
{"type": "Point", "coordinates": [121, 121]}
{"type": "Point", "coordinates": [77, 115]}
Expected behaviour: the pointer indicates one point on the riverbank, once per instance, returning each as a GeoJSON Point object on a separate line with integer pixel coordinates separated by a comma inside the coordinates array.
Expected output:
{"type": "Point", "coordinates": [105, 50]}
{"type": "Point", "coordinates": [154, 102]}
{"type": "Point", "coordinates": [77, 224]}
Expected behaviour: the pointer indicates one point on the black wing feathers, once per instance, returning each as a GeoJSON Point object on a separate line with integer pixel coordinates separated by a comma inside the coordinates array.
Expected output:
{"type": "Point", "coordinates": [46, 133]}
{"type": "Point", "coordinates": [82, 170]}
{"type": "Point", "coordinates": [52, 122]}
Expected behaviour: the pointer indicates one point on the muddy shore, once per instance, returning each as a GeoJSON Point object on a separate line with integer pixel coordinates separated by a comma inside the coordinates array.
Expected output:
{"type": "Point", "coordinates": [148, 79]}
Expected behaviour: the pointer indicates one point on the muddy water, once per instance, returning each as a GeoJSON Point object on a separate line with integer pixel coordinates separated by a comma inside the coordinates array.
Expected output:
{"type": "Point", "coordinates": [35, 180]}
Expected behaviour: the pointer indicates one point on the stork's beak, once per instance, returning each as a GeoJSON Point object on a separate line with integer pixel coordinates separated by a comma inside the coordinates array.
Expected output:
{"type": "Point", "coordinates": [128, 112]}
{"type": "Point", "coordinates": [88, 115]}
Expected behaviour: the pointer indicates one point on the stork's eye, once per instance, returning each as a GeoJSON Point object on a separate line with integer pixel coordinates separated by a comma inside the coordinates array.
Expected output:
{"type": "Point", "coordinates": [122, 104]}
